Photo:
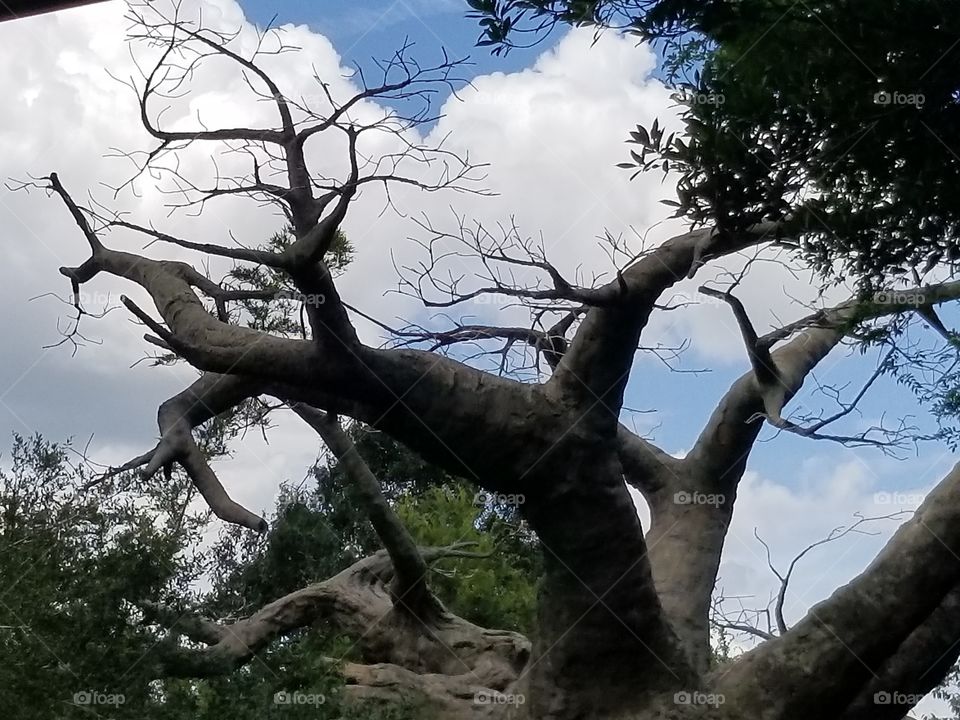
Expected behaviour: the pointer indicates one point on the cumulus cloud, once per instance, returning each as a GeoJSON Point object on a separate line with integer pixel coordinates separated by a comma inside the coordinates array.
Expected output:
{"type": "Point", "coordinates": [551, 135]}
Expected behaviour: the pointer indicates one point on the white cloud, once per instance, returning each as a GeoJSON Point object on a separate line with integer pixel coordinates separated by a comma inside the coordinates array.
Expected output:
{"type": "Point", "coordinates": [551, 134]}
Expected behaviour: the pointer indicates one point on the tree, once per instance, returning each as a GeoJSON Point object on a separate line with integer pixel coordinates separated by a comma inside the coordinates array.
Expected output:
{"type": "Point", "coordinates": [75, 561]}
{"type": "Point", "coordinates": [319, 531]}
{"type": "Point", "coordinates": [849, 143]}
{"type": "Point", "coordinates": [622, 618]}
{"type": "Point", "coordinates": [87, 564]}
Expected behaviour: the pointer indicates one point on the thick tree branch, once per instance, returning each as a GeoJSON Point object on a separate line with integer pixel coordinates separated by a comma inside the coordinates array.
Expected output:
{"type": "Point", "coordinates": [410, 590]}
{"type": "Point", "coordinates": [356, 602]}
{"type": "Point", "coordinates": [209, 396]}
{"type": "Point", "coordinates": [595, 370]}
{"type": "Point", "coordinates": [917, 667]}
{"type": "Point", "coordinates": [687, 529]}
{"type": "Point", "coordinates": [645, 466]}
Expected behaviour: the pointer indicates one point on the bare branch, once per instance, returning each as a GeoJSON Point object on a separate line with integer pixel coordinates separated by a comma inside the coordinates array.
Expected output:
{"type": "Point", "coordinates": [207, 397]}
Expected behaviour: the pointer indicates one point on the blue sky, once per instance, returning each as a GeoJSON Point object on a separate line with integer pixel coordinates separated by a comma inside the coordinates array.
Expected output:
{"type": "Point", "coordinates": [374, 28]}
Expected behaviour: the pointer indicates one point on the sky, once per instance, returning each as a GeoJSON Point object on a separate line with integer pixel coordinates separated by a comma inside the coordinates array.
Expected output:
{"type": "Point", "coordinates": [372, 28]}
{"type": "Point", "coordinates": [550, 122]}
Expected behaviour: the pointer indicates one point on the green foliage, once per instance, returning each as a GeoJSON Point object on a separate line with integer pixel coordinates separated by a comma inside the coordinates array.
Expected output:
{"type": "Point", "coordinates": [837, 117]}
{"type": "Point", "coordinates": [502, 21]}
{"type": "Point", "coordinates": [852, 141]}
{"type": "Point", "coordinates": [71, 562]}
{"type": "Point", "coordinates": [499, 591]}
{"type": "Point", "coordinates": [722, 648]}
{"type": "Point", "coordinates": [77, 562]}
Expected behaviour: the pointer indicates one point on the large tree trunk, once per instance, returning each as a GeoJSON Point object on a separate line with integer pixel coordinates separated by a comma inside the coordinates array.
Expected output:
{"type": "Point", "coordinates": [603, 647]}
{"type": "Point", "coordinates": [686, 540]}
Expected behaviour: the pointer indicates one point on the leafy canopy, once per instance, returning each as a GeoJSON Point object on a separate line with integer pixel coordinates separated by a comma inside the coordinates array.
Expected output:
{"type": "Point", "coordinates": [837, 118]}
{"type": "Point", "coordinates": [78, 562]}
